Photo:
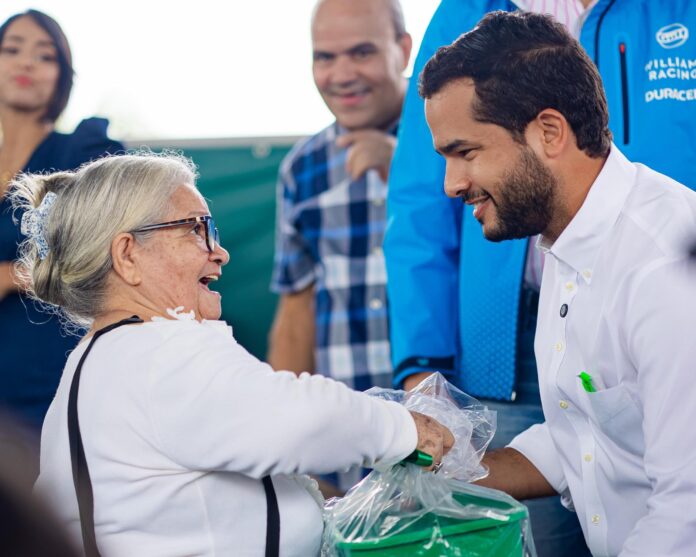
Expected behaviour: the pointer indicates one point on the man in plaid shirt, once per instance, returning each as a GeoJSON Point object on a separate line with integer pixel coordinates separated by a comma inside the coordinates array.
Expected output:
{"type": "Point", "coordinates": [329, 265]}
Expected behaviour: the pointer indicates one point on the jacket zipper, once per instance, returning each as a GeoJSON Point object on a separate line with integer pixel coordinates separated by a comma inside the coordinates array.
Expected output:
{"type": "Point", "coordinates": [600, 21]}
{"type": "Point", "coordinates": [624, 91]}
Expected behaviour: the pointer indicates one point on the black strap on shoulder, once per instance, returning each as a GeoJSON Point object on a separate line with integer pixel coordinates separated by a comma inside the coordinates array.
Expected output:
{"type": "Point", "coordinates": [83, 483]}
{"type": "Point", "coordinates": [272, 519]}
{"type": "Point", "coordinates": [81, 479]}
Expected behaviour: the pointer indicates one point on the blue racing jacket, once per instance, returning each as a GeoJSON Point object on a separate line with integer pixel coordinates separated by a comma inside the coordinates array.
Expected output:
{"type": "Point", "coordinates": [453, 295]}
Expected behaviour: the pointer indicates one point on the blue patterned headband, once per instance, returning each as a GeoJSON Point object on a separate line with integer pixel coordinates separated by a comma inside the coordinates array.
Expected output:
{"type": "Point", "coordinates": [34, 224]}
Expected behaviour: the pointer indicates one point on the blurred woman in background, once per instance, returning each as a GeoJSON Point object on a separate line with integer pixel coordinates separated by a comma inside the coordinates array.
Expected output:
{"type": "Point", "coordinates": [36, 77]}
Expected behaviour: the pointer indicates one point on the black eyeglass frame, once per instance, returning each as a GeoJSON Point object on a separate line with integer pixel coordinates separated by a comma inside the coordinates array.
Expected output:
{"type": "Point", "coordinates": [212, 234]}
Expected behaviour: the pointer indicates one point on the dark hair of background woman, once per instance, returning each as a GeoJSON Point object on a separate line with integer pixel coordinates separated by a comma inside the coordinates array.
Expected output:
{"type": "Point", "coordinates": [65, 77]}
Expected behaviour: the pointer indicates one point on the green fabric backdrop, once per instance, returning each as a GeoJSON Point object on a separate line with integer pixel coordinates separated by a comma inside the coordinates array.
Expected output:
{"type": "Point", "coordinates": [239, 180]}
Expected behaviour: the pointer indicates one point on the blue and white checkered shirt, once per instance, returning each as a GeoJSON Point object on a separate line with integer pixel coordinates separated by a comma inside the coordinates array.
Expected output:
{"type": "Point", "coordinates": [329, 233]}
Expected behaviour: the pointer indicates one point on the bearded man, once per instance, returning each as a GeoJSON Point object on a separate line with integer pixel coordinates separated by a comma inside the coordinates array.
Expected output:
{"type": "Point", "coordinates": [518, 111]}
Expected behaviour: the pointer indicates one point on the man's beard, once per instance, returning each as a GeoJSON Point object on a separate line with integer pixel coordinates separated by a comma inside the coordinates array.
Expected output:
{"type": "Point", "coordinates": [526, 200]}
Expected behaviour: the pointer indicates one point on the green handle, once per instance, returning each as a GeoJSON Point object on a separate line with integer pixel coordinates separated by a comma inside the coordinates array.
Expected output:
{"type": "Point", "coordinates": [419, 458]}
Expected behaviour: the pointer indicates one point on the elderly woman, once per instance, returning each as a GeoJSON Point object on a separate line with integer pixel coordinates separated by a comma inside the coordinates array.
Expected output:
{"type": "Point", "coordinates": [177, 440]}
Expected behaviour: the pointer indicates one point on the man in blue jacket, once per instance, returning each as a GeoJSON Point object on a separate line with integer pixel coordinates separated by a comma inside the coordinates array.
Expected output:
{"type": "Point", "coordinates": [467, 307]}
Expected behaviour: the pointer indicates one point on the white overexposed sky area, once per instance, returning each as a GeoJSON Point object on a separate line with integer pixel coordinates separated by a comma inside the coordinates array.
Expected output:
{"type": "Point", "coordinates": [199, 69]}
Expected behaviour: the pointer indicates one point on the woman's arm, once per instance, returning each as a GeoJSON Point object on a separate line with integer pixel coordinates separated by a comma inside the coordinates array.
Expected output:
{"type": "Point", "coordinates": [216, 407]}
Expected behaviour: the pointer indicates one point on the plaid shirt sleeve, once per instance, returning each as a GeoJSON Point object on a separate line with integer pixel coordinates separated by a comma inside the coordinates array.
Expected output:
{"type": "Point", "coordinates": [293, 263]}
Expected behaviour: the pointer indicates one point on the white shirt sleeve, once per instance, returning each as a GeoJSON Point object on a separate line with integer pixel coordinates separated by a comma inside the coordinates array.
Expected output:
{"type": "Point", "coordinates": [215, 407]}
{"type": "Point", "coordinates": [665, 357]}
{"type": "Point", "coordinates": [538, 447]}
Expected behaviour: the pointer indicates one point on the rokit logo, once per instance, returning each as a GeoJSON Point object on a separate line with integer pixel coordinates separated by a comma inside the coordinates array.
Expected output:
{"type": "Point", "coordinates": [672, 35]}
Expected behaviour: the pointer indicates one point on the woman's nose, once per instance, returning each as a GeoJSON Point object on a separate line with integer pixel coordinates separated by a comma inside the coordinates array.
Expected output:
{"type": "Point", "coordinates": [220, 255]}
{"type": "Point", "coordinates": [26, 60]}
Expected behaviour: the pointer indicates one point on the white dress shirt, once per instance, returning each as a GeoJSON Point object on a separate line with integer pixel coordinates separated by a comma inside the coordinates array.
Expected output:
{"type": "Point", "coordinates": [618, 301]}
{"type": "Point", "coordinates": [179, 423]}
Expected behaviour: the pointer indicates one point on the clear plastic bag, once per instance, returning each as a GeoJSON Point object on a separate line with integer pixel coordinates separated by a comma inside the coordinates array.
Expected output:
{"type": "Point", "coordinates": [471, 423]}
{"type": "Point", "coordinates": [404, 510]}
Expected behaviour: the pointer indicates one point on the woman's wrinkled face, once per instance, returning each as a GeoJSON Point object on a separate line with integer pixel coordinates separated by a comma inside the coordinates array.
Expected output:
{"type": "Point", "coordinates": [177, 266]}
{"type": "Point", "coordinates": [29, 68]}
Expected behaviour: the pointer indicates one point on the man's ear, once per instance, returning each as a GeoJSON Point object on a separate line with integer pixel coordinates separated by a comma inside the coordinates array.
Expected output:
{"type": "Point", "coordinates": [124, 257]}
{"type": "Point", "coordinates": [405, 44]}
{"type": "Point", "coordinates": [550, 132]}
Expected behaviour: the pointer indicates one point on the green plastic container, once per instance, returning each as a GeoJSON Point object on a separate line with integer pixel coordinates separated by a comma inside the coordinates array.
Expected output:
{"type": "Point", "coordinates": [439, 536]}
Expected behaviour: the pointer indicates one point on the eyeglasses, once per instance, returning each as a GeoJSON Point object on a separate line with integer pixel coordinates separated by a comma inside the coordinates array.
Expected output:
{"type": "Point", "coordinates": [212, 235]}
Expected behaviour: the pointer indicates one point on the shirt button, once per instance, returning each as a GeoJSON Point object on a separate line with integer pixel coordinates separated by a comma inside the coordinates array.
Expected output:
{"type": "Point", "coordinates": [563, 404]}
{"type": "Point", "coordinates": [564, 310]}
{"type": "Point", "coordinates": [588, 458]}
{"type": "Point", "coordinates": [376, 303]}
{"type": "Point", "coordinates": [595, 519]}
{"type": "Point", "coordinates": [377, 251]}
{"type": "Point", "coordinates": [559, 347]}
{"type": "Point", "coordinates": [587, 274]}
{"type": "Point", "coordinates": [569, 286]}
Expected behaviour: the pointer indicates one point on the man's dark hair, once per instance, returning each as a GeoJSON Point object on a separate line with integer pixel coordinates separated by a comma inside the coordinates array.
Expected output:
{"type": "Point", "coordinates": [522, 63]}
{"type": "Point", "coordinates": [65, 74]}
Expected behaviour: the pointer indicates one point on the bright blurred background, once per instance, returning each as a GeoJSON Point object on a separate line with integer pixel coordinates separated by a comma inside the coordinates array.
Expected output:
{"type": "Point", "coordinates": [203, 69]}
{"type": "Point", "coordinates": [228, 84]}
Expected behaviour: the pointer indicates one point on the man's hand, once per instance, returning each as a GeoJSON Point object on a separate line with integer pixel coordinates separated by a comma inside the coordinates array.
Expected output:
{"type": "Point", "coordinates": [368, 149]}
{"type": "Point", "coordinates": [433, 438]}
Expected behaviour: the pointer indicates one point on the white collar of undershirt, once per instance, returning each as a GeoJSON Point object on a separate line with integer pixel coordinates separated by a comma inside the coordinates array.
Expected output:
{"type": "Point", "coordinates": [179, 315]}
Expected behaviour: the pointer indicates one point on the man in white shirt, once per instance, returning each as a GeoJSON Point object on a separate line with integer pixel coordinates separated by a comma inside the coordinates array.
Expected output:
{"type": "Point", "coordinates": [518, 111]}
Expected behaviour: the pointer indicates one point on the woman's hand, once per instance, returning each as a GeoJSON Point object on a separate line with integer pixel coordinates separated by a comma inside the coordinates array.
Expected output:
{"type": "Point", "coordinates": [433, 438]}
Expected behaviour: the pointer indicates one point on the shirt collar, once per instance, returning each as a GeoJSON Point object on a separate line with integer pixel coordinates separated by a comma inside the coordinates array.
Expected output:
{"type": "Point", "coordinates": [580, 242]}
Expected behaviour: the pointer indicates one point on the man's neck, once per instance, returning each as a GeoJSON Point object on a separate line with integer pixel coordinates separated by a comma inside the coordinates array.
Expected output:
{"type": "Point", "coordinates": [578, 176]}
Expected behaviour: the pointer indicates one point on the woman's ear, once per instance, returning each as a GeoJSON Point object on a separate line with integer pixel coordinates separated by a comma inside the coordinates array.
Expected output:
{"type": "Point", "coordinates": [124, 258]}
{"type": "Point", "coordinates": [551, 132]}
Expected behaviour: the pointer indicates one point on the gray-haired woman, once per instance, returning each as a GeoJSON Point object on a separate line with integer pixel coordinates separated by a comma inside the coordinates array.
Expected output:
{"type": "Point", "coordinates": [178, 441]}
